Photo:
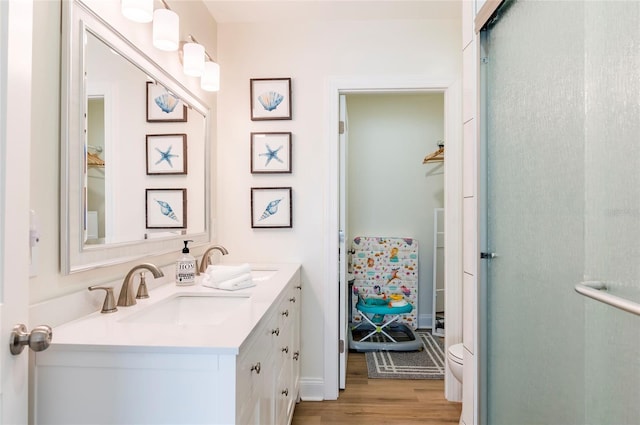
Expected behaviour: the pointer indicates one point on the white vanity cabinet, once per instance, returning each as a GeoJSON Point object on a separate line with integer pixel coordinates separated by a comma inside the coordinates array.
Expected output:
{"type": "Point", "coordinates": [254, 382]}
{"type": "Point", "coordinates": [288, 356]}
{"type": "Point", "coordinates": [269, 365]}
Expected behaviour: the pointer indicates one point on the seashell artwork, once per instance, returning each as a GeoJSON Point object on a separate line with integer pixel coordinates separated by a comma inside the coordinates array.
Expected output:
{"type": "Point", "coordinates": [270, 100]}
{"type": "Point", "coordinates": [271, 209]}
{"type": "Point", "coordinates": [166, 209]}
{"type": "Point", "coordinates": [167, 102]}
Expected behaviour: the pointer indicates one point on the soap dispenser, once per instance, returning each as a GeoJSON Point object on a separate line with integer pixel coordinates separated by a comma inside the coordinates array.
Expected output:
{"type": "Point", "coordinates": [186, 267]}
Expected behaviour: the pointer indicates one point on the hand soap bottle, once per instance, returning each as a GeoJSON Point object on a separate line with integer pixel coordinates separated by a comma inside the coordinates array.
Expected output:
{"type": "Point", "coordinates": [186, 267]}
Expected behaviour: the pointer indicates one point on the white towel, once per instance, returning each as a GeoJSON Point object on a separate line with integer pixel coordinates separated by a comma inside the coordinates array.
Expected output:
{"type": "Point", "coordinates": [218, 273]}
{"type": "Point", "coordinates": [240, 282]}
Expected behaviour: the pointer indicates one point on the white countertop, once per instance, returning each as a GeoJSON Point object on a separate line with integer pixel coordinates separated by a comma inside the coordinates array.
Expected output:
{"type": "Point", "coordinates": [112, 331]}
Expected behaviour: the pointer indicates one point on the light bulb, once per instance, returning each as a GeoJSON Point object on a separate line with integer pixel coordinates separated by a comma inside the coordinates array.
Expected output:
{"type": "Point", "coordinates": [137, 10]}
{"type": "Point", "coordinates": [166, 30]}
{"type": "Point", "coordinates": [210, 80]}
{"type": "Point", "coordinates": [193, 59]}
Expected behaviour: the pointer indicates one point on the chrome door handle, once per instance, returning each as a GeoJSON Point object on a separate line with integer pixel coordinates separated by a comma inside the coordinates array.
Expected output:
{"type": "Point", "coordinates": [38, 339]}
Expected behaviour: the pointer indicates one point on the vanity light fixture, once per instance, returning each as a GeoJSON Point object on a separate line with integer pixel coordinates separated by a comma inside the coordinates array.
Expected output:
{"type": "Point", "coordinates": [193, 58]}
{"type": "Point", "coordinates": [209, 70]}
{"type": "Point", "coordinates": [210, 80]}
{"type": "Point", "coordinates": [137, 10]}
{"type": "Point", "coordinates": [166, 29]}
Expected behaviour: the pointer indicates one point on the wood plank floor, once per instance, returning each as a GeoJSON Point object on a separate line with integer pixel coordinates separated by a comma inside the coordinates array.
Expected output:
{"type": "Point", "coordinates": [380, 402]}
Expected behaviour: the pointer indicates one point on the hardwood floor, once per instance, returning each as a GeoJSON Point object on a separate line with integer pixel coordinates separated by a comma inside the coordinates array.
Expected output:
{"type": "Point", "coordinates": [380, 402]}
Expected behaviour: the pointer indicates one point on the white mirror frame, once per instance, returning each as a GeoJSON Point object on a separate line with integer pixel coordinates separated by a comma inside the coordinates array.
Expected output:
{"type": "Point", "coordinates": [75, 256]}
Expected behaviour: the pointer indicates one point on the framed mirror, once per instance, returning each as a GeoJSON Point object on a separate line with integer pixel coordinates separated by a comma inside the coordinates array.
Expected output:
{"type": "Point", "coordinates": [122, 116]}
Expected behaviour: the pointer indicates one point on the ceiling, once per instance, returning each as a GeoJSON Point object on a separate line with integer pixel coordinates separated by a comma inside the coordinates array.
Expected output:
{"type": "Point", "coordinates": [307, 10]}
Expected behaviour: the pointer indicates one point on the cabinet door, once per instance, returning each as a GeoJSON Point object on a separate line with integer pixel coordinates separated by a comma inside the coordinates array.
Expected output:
{"type": "Point", "coordinates": [284, 355]}
{"type": "Point", "coordinates": [269, 372]}
{"type": "Point", "coordinates": [248, 382]}
{"type": "Point", "coordinates": [294, 301]}
{"type": "Point", "coordinates": [290, 373]}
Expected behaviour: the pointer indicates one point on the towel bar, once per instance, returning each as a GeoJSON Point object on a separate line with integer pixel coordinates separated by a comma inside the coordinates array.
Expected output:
{"type": "Point", "coordinates": [595, 290]}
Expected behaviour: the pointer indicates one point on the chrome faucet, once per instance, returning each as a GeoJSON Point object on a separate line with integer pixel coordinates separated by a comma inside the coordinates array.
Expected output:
{"type": "Point", "coordinates": [127, 297]}
{"type": "Point", "coordinates": [206, 260]}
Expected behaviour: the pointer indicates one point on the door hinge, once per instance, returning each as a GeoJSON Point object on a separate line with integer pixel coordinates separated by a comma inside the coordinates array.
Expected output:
{"type": "Point", "coordinates": [341, 127]}
{"type": "Point", "coordinates": [487, 255]}
{"type": "Point", "coordinates": [341, 346]}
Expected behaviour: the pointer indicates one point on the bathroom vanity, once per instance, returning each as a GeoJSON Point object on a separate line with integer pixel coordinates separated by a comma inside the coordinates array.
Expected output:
{"type": "Point", "coordinates": [185, 355]}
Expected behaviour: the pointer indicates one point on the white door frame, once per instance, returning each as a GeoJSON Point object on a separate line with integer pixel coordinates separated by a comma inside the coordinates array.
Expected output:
{"type": "Point", "coordinates": [345, 306]}
{"type": "Point", "coordinates": [334, 87]}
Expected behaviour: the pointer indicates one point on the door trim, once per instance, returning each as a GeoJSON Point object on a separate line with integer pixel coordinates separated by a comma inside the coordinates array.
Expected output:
{"type": "Point", "coordinates": [334, 87]}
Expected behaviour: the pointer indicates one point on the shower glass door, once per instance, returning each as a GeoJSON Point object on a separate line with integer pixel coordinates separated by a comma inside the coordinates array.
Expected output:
{"type": "Point", "coordinates": [612, 209]}
{"type": "Point", "coordinates": [561, 94]}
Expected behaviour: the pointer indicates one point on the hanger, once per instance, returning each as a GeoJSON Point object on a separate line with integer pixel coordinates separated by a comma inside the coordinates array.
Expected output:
{"type": "Point", "coordinates": [94, 160]}
{"type": "Point", "coordinates": [436, 156]}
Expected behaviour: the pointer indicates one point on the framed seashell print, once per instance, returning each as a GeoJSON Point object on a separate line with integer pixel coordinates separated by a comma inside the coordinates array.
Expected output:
{"type": "Point", "coordinates": [166, 208]}
{"type": "Point", "coordinates": [270, 153]}
{"type": "Point", "coordinates": [271, 207]}
{"type": "Point", "coordinates": [270, 99]}
{"type": "Point", "coordinates": [164, 106]}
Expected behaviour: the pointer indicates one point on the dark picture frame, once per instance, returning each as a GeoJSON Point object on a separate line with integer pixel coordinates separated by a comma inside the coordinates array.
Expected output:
{"type": "Point", "coordinates": [164, 106]}
{"type": "Point", "coordinates": [271, 153]}
{"type": "Point", "coordinates": [270, 99]}
{"type": "Point", "coordinates": [271, 207]}
{"type": "Point", "coordinates": [166, 154]}
{"type": "Point", "coordinates": [166, 208]}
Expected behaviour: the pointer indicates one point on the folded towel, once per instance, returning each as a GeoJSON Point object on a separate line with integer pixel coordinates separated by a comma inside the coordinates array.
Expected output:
{"type": "Point", "coordinates": [218, 273]}
{"type": "Point", "coordinates": [240, 282]}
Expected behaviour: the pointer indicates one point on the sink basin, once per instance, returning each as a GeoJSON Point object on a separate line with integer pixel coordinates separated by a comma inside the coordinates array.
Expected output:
{"type": "Point", "coordinates": [258, 275]}
{"type": "Point", "coordinates": [191, 309]}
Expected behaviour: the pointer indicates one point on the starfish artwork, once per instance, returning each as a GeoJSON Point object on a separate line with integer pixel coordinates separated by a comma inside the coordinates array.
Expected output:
{"type": "Point", "coordinates": [271, 154]}
{"type": "Point", "coordinates": [166, 156]}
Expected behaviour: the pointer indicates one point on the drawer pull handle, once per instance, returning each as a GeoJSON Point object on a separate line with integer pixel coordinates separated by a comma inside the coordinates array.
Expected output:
{"type": "Point", "coordinates": [285, 392]}
{"type": "Point", "coordinates": [298, 287]}
{"type": "Point", "coordinates": [292, 299]}
{"type": "Point", "coordinates": [256, 368]}
{"type": "Point", "coordinates": [275, 331]}
{"type": "Point", "coordinates": [296, 355]}
{"type": "Point", "coordinates": [285, 349]}
{"type": "Point", "coordinates": [285, 313]}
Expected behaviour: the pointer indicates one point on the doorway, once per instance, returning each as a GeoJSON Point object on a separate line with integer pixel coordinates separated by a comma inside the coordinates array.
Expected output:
{"type": "Point", "coordinates": [334, 335]}
{"type": "Point", "coordinates": [386, 188]}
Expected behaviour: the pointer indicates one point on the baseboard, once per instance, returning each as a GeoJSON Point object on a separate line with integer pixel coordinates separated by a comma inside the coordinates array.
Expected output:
{"type": "Point", "coordinates": [425, 321]}
{"type": "Point", "coordinates": [311, 389]}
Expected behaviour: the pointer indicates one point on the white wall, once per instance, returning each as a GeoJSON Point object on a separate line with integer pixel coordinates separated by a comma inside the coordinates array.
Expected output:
{"type": "Point", "coordinates": [45, 166]}
{"type": "Point", "coordinates": [310, 53]}
{"type": "Point", "coordinates": [391, 192]}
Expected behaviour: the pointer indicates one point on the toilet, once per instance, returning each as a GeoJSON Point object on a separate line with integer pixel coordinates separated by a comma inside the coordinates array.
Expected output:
{"type": "Point", "coordinates": [454, 358]}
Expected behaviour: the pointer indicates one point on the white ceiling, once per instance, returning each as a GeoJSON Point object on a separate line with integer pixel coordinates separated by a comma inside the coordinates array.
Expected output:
{"type": "Point", "coordinates": [306, 10]}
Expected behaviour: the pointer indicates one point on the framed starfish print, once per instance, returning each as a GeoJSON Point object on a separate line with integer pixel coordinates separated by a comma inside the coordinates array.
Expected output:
{"type": "Point", "coordinates": [270, 153]}
{"type": "Point", "coordinates": [166, 154]}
